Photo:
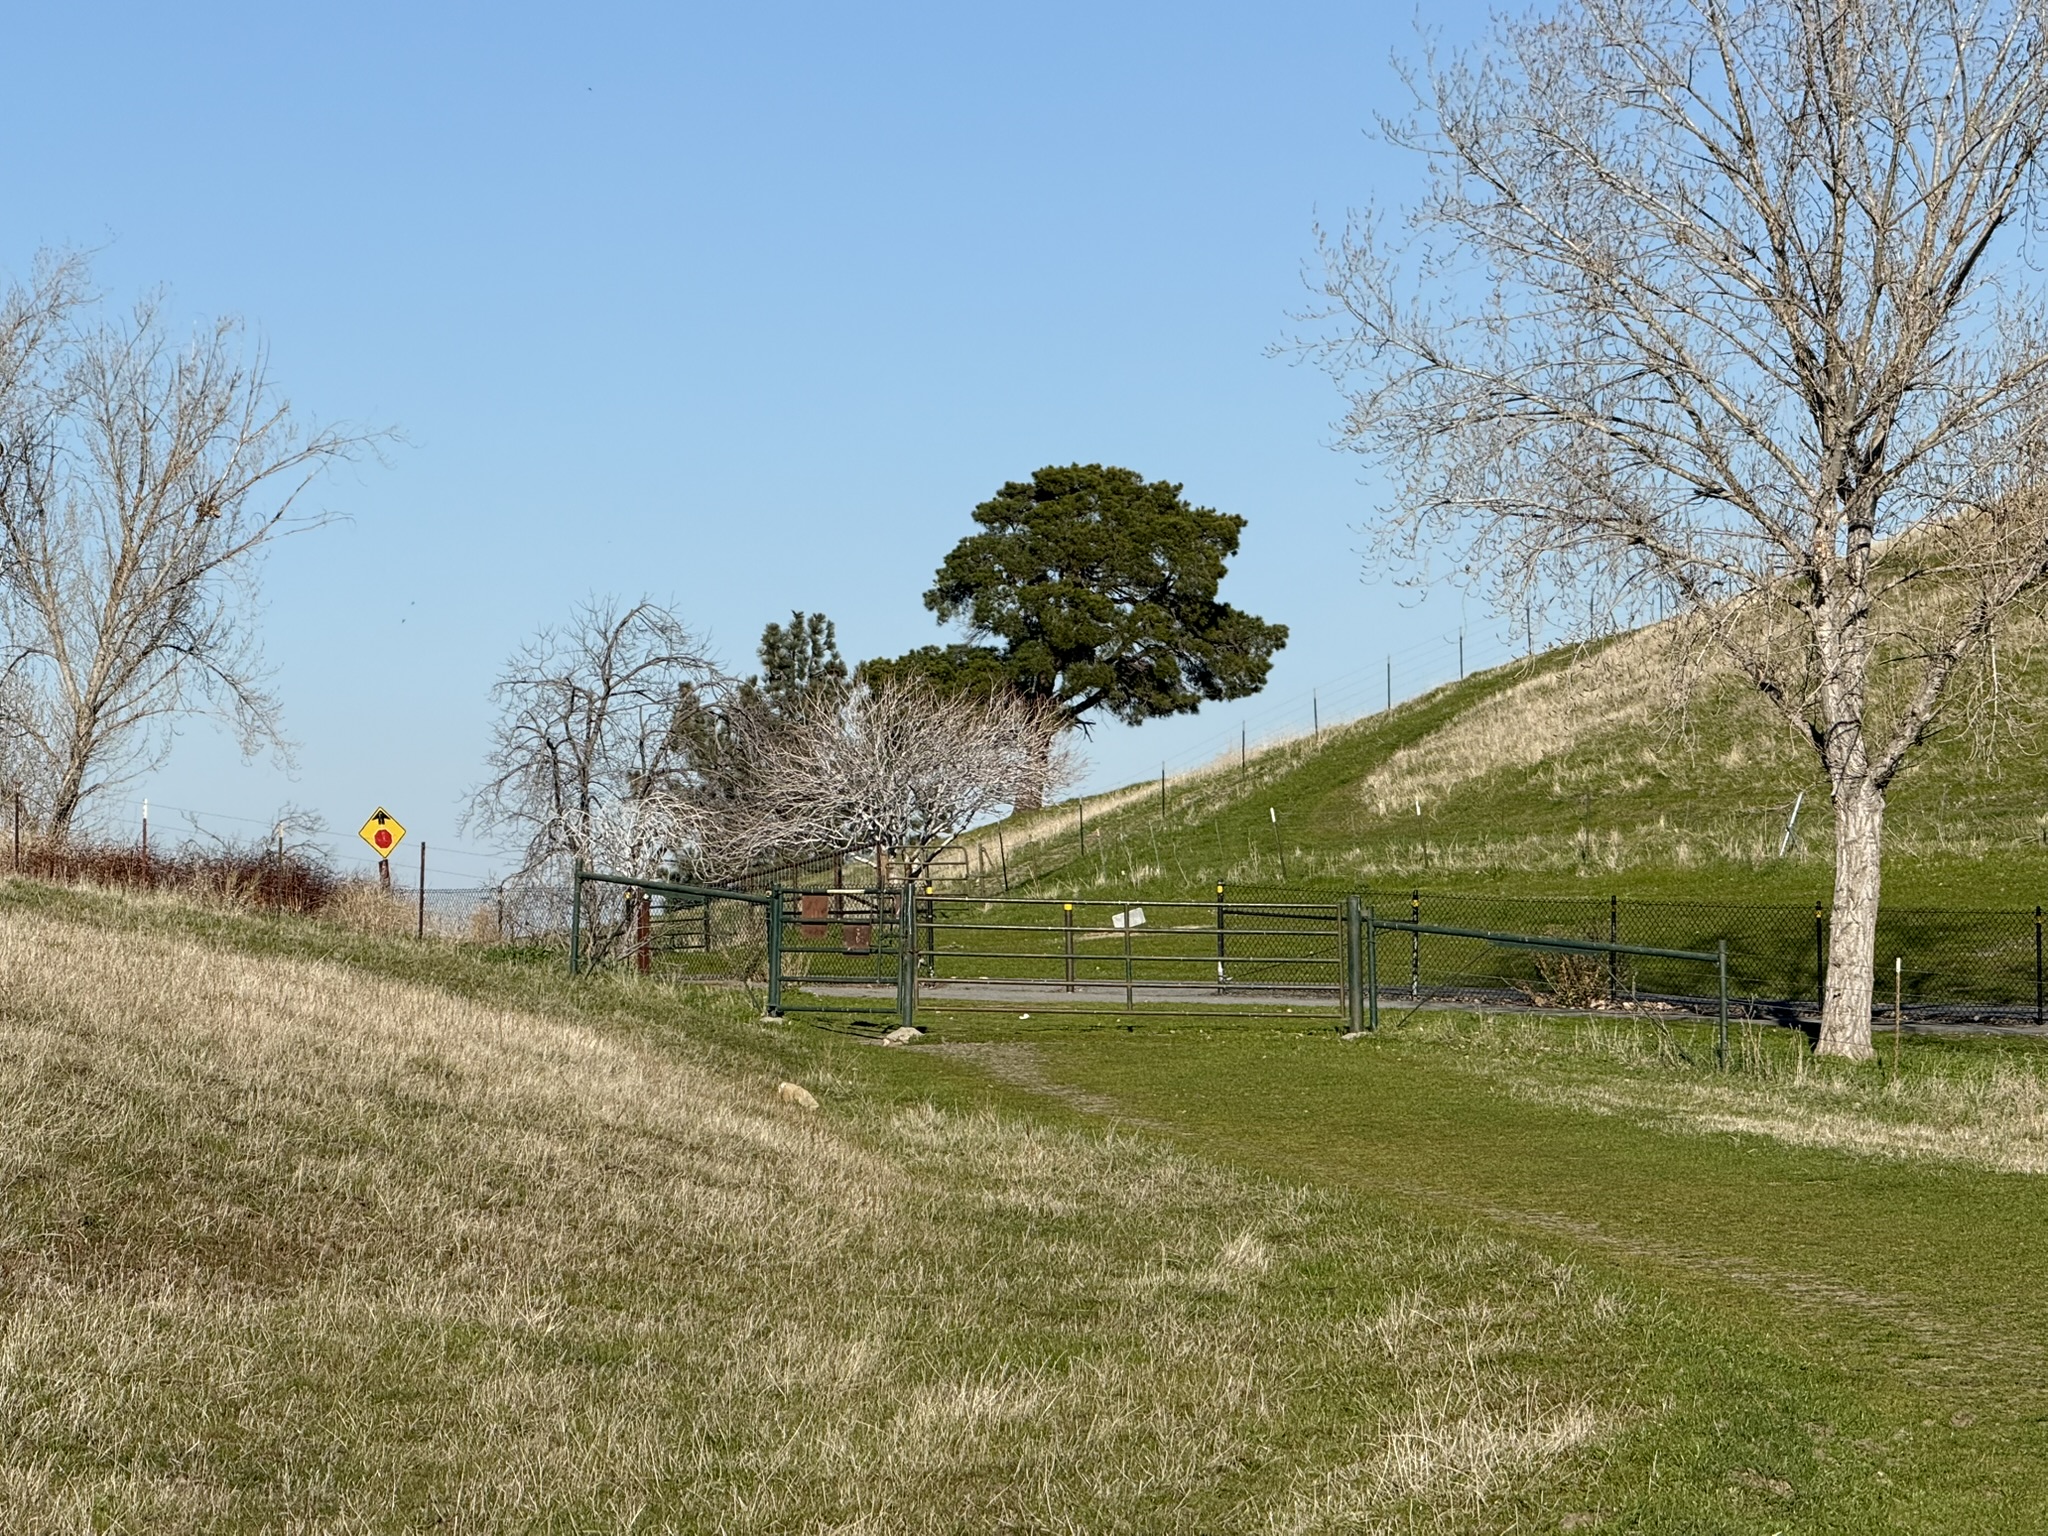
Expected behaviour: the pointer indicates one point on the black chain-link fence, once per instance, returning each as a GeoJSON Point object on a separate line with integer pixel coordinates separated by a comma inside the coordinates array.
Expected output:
{"type": "Point", "coordinates": [1953, 963]}
{"type": "Point", "coordinates": [678, 932]}
{"type": "Point", "coordinates": [1295, 944]}
{"type": "Point", "coordinates": [817, 872]}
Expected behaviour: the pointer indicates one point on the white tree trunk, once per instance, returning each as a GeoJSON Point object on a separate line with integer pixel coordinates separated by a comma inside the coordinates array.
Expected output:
{"type": "Point", "coordinates": [1852, 936]}
{"type": "Point", "coordinates": [70, 793]}
{"type": "Point", "coordinates": [1031, 793]}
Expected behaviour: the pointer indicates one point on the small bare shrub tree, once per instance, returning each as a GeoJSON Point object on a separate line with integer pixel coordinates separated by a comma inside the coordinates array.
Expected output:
{"type": "Point", "coordinates": [142, 477]}
{"type": "Point", "coordinates": [901, 766]}
{"type": "Point", "coordinates": [1732, 304]}
{"type": "Point", "coordinates": [587, 761]}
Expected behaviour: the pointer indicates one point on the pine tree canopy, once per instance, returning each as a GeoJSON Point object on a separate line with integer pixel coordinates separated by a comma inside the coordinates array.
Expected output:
{"type": "Point", "coordinates": [1095, 589]}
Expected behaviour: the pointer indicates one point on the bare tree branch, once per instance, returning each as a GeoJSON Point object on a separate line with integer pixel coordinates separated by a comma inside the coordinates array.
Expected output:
{"type": "Point", "coordinates": [587, 760]}
{"type": "Point", "coordinates": [903, 767]}
{"type": "Point", "coordinates": [1717, 306]}
{"type": "Point", "coordinates": [141, 480]}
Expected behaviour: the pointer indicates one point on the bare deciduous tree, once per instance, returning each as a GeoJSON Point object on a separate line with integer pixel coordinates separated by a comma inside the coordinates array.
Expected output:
{"type": "Point", "coordinates": [32, 319]}
{"type": "Point", "coordinates": [1730, 303]}
{"type": "Point", "coordinates": [140, 481]}
{"type": "Point", "coordinates": [586, 758]}
{"type": "Point", "coordinates": [902, 766]}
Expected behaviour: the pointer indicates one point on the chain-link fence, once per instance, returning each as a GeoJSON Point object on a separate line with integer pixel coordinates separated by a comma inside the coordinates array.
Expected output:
{"type": "Point", "coordinates": [1283, 949]}
{"type": "Point", "coordinates": [673, 931]}
{"type": "Point", "coordinates": [1953, 963]}
{"type": "Point", "coordinates": [845, 950]}
{"type": "Point", "coordinates": [825, 871]}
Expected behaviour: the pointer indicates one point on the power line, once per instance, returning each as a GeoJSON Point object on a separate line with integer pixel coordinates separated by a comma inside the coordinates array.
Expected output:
{"type": "Point", "coordinates": [338, 840]}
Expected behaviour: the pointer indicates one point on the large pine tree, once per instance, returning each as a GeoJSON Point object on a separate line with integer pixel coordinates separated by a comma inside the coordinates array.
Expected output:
{"type": "Point", "coordinates": [1094, 589]}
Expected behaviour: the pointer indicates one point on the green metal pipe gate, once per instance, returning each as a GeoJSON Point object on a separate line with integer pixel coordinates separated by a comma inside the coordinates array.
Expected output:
{"type": "Point", "coordinates": [826, 947]}
{"type": "Point", "coordinates": [1718, 959]}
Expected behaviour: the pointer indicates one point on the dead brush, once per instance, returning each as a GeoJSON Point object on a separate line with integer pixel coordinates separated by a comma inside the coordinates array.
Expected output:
{"type": "Point", "coordinates": [486, 925]}
{"type": "Point", "coordinates": [240, 875]}
{"type": "Point", "coordinates": [361, 907]}
{"type": "Point", "coordinates": [1570, 979]}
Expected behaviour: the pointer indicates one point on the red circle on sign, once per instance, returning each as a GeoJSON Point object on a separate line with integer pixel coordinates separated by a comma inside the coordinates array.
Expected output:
{"type": "Point", "coordinates": [382, 840]}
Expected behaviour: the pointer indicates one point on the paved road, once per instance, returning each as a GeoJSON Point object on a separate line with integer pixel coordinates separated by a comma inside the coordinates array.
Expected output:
{"type": "Point", "coordinates": [1279, 1002]}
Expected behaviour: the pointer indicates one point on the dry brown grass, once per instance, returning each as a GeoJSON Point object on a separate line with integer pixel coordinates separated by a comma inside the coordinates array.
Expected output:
{"type": "Point", "coordinates": [361, 907]}
{"type": "Point", "coordinates": [290, 1246]}
{"type": "Point", "coordinates": [219, 874]}
{"type": "Point", "coordinates": [1980, 1113]}
{"type": "Point", "coordinates": [1622, 689]}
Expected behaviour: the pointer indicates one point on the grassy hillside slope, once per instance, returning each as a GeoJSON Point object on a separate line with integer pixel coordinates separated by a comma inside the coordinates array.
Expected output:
{"type": "Point", "coordinates": [311, 1233]}
{"type": "Point", "coordinates": [305, 1231]}
{"type": "Point", "coordinates": [1571, 773]}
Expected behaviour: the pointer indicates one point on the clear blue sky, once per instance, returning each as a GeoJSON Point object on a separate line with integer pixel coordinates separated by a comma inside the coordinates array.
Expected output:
{"type": "Point", "coordinates": [743, 307]}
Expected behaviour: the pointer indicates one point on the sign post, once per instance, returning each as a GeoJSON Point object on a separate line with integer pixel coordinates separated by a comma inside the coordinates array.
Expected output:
{"type": "Point", "coordinates": [383, 833]}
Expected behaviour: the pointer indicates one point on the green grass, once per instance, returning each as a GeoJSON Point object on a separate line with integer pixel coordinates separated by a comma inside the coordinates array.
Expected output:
{"type": "Point", "coordinates": [1846, 1267]}
{"type": "Point", "coordinates": [1563, 775]}
{"type": "Point", "coordinates": [301, 1229]}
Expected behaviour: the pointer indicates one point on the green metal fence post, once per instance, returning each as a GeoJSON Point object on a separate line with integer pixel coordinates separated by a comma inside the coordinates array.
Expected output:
{"type": "Point", "coordinates": [1415, 944]}
{"type": "Point", "coordinates": [1372, 974]}
{"type": "Point", "coordinates": [1069, 906]}
{"type": "Point", "coordinates": [1220, 956]}
{"type": "Point", "coordinates": [1128, 987]}
{"type": "Point", "coordinates": [576, 917]}
{"type": "Point", "coordinates": [775, 951]}
{"type": "Point", "coordinates": [1354, 968]}
{"type": "Point", "coordinates": [1721, 1032]}
{"type": "Point", "coordinates": [906, 973]}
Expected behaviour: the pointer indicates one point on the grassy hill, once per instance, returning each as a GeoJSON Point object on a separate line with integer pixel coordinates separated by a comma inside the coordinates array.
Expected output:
{"type": "Point", "coordinates": [304, 1230]}
{"type": "Point", "coordinates": [1572, 773]}
{"type": "Point", "coordinates": [300, 1231]}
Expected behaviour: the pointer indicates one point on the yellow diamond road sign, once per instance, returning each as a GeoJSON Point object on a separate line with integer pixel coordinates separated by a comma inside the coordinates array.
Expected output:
{"type": "Point", "coordinates": [382, 832]}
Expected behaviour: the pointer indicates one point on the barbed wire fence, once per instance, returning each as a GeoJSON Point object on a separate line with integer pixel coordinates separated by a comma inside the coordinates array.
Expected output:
{"type": "Point", "coordinates": [1376, 686]}
{"type": "Point", "coordinates": [152, 842]}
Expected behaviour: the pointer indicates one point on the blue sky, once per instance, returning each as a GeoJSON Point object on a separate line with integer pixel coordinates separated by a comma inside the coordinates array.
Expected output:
{"type": "Point", "coordinates": [742, 307]}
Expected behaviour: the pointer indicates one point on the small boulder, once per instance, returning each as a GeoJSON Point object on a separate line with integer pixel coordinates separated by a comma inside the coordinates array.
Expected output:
{"type": "Point", "coordinates": [902, 1034]}
{"type": "Point", "coordinates": [790, 1093]}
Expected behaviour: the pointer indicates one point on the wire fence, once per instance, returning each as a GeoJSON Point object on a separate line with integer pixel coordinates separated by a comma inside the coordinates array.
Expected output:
{"type": "Point", "coordinates": [1126, 951]}
{"type": "Point", "coordinates": [1394, 677]}
{"type": "Point", "coordinates": [1951, 963]}
{"type": "Point", "coordinates": [824, 869]}
{"type": "Point", "coordinates": [1238, 954]}
{"type": "Point", "coordinates": [1267, 951]}
{"type": "Point", "coordinates": [837, 950]}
